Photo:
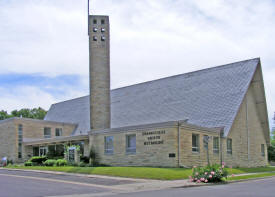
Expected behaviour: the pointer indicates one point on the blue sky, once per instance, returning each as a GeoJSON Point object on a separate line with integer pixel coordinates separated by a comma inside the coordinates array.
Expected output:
{"type": "Point", "coordinates": [44, 43]}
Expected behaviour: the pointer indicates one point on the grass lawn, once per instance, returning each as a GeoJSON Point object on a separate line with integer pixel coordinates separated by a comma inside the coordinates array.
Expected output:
{"type": "Point", "coordinates": [251, 176]}
{"type": "Point", "coordinates": [140, 172]}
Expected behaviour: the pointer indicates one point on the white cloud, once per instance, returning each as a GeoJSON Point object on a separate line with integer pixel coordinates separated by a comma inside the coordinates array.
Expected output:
{"type": "Point", "coordinates": [149, 38]}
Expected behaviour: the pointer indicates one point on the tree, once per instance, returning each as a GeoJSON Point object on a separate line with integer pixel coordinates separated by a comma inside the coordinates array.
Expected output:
{"type": "Point", "coordinates": [35, 113]}
{"type": "Point", "coordinates": [4, 115]}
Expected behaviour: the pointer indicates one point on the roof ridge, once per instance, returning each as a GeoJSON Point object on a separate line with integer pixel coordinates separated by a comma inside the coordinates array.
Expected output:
{"type": "Point", "coordinates": [188, 73]}
{"type": "Point", "coordinates": [150, 81]}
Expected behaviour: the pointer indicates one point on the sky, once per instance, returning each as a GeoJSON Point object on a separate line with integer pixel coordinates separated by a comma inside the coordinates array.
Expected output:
{"type": "Point", "coordinates": [44, 44]}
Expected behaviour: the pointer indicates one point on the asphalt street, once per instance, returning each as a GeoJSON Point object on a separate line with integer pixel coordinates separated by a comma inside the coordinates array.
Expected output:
{"type": "Point", "coordinates": [35, 184]}
{"type": "Point", "coordinates": [256, 188]}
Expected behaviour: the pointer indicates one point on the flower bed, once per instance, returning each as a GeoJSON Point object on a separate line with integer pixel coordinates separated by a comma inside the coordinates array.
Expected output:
{"type": "Point", "coordinates": [210, 173]}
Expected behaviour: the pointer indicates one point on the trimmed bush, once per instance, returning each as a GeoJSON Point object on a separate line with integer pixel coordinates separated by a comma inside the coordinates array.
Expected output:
{"type": "Point", "coordinates": [84, 159]}
{"type": "Point", "coordinates": [28, 163]}
{"type": "Point", "coordinates": [210, 173]}
{"type": "Point", "coordinates": [50, 162]}
{"type": "Point", "coordinates": [61, 162]}
{"type": "Point", "coordinates": [38, 160]}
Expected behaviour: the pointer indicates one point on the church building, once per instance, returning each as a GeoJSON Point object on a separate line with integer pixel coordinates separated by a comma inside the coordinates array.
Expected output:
{"type": "Point", "coordinates": [169, 122]}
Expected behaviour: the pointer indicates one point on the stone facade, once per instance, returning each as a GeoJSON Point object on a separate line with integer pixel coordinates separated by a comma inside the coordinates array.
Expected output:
{"type": "Point", "coordinates": [247, 133]}
{"type": "Point", "coordinates": [8, 140]}
{"type": "Point", "coordinates": [32, 130]}
{"type": "Point", "coordinates": [156, 146]}
{"type": "Point", "coordinates": [99, 50]}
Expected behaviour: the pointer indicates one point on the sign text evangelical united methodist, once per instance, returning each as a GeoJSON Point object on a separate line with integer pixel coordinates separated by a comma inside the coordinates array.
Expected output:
{"type": "Point", "coordinates": [153, 137]}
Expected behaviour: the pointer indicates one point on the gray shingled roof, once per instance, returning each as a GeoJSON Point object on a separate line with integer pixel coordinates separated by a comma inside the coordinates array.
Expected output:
{"type": "Point", "coordinates": [208, 98]}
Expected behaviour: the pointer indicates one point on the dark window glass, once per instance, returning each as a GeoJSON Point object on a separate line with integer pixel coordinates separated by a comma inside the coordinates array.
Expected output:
{"type": "Point", "coordinates": [94, 21]}
{"type": "Point", "coordinates": [216, 145]}
{"type": "Point", "coordinates": [195, 142]}
{"type": "Point", "coordinates": [109, 144]}
{"type": "Point", "coordinates": [47, 132]}
{"type": "Point", "coordinates": [58, 132]}
{"type": "Point", "coordinates": [229, 146]}
{"type": "Point", "coordinates": [102, 21]}
{"type": "Point", "coordinates": [131, 143]}
{"type": "Point", "coordinates": [262, 150]}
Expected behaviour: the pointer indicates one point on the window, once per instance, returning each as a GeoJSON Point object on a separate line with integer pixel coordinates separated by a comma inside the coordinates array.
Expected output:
{"type": "Point", "coordinates": [102, 21]}
{"type": "Point", "coordinates": [131, 143]}
{"type": "Point", "coordinates": [103, 38]}
{"type": "Point", "coordinates": [216, 145]}
{"type": "Point", "coordinates": [195, 142]}
{"type": "Point", "coordinates": [109, 144]}
{"type": "Point", "coordinates": [102, 29]}
{"type": "Point", "coordinates": [262, 150]}
{"type": "Point", "coordinates": [43, 150]}
{"type": "Point", "coordinates": [58, 132]}
{"type": "Point", "coordinates": [47, 132]}
{"type": "Point", "coordinates": [229, 146]}
{"type": "Point", "coordinates": [94, 29]}
{"type": "Point", "coordinates": [94, 21]}
{"type": "Point", "coordinates": [20, 140]}
{"type": "Point", "coordinates": [94, 38]}
{"type": "Point", "coordinates": [205, 141]}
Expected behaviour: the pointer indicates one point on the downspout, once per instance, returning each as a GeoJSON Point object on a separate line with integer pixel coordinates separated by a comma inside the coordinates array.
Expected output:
{"type": "Point", "coordinates": [178, 144]}
{"type": "Point", "coordinates": [247, 132]}
{"type": "Point", "coordinates": [221, 149]}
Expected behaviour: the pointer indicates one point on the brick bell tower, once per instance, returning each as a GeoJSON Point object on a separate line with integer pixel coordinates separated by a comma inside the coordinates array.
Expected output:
{"type": "Point", "coordinates": [99, 63]}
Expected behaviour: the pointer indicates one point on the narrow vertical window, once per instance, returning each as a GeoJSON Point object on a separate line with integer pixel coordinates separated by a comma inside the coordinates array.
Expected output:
{"type": "Point", "coordinates": [47, 132]}
{"type": "Point", "coordinates": [102, 21]}
{"type": "Point", "coordinates": [229, 146]}
{"type": "Point", "coordinates": [216, 145]}
{"type": "Point", "coordinates": [109, 144]}
{"type": "Point", "coordinates": [262, 150]}
{"type": "Point", "coordinates": [94, 21]}
{"type": "Point", "coordinates": [195, 143]}
{"type": "Point", "coordinates": [131, 143]}
{"type": "Point", "coordinates": [20, 140]}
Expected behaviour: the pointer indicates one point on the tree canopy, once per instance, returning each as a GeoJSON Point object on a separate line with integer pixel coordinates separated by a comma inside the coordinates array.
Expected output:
{"type": "Point", "coordinates": [35, 113]}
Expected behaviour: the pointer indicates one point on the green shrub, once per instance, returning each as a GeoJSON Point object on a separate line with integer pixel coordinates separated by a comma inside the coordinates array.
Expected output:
{"type": "Point", "coordinates": [82, 164]}
{"type": "Point", "coordinates": [38, 160]}
{"type": "Point", "coordinates": [210, 173]}
{"type": "Point", "coordinates": [28, 163]}
{"type": "Point", "coordinates": [84, 159]}
{"type": "Point", "coordinates": [271, 153]}
{"type": "Point", "coordinates": [72, 164]}
{"type": "Point", "coordinates": [61, 162]}
{"type": "Point", "coordinates": [50, 162]}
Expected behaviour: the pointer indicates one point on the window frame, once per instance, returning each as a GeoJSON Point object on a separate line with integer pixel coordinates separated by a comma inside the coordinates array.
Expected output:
{"type": "Point", "coordinates": [229, 149]}
{"type": "Point", "coordinates": [60, 130]}
{"type": "Point", "coordinates": [50, 135]}
{"type": "Point", "coordinates": [216, 150]}
{"type": "Point", "coordinates": [107, 150]}
{"type": "Point", "coordinates": [196, 149]}
{"type": "Point", "coordinates": [263, 150]}
{"type": "Point", "coordinates": [20, 141]}
{"type": "Point", "coordinates": [131, 150]}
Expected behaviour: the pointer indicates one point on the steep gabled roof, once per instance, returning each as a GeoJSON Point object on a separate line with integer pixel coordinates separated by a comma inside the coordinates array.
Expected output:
{"type": "Point", "coordinates": [208, 98]}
